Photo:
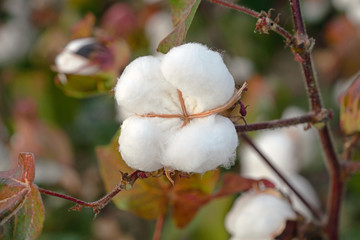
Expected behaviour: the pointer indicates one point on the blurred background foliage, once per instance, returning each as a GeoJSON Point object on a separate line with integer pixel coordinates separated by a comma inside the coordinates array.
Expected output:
{"type": "Point", "coordinates": [39, 115]}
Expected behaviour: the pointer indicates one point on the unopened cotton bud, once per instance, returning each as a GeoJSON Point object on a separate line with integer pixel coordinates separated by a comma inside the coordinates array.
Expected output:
{"type": "Point", "coordinates": [258, 216]}
{"type": "Point", "coordinates": [74, 59]}
{"type": "Point", "coordinates": [200, 74]}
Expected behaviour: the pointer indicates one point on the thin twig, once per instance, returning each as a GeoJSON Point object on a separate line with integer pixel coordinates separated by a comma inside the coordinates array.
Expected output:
{"type": "Point", "coordinates": [336, 180]}
{"type": "Point", "coordinates": [306, 118]}
{"type": "Point", "coordinates": [101, 203]}
{"type": "Point", "coordinates": [317, 214]}
{"type": "Point", "coordinates": [265, 19]}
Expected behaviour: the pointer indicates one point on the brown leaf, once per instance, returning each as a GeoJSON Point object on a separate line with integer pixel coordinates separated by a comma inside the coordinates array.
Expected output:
{"type": "Point", "coordinates": [147, 198]}
{"type": "Point", "coordinates": [21, 208]}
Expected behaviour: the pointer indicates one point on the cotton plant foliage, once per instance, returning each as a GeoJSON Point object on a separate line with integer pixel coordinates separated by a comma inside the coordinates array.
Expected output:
{"type": "Point", "coordinates": [168, 103]}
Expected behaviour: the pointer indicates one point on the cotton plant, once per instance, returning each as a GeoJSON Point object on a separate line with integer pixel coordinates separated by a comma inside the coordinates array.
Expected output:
{"type": "Point", "coordinates": [290, 150]}
{"type": "Point", "coordinates": [259, 215]}
{"type": "Point", "coordinates": [171, 105]}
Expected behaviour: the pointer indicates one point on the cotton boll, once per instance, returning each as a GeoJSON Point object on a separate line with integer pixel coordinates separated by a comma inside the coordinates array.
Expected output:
{"type": "Point", "coordinates": [200, 74]}
{"type": "Point", "coordinates": [275, 145]}
{"type": "Point", "coordinates": [202, 145]}
{"type": "Point", "coordinates": [141, 144]}
{"type": "Point", "coordinates": [70, 63]}
{"type": "Point", "coordinates": [258, 216]}
{"type": "Point", "coordinates": [142, 89]}
{"type": "Point", "coordinates": [306, 190]}
{"type": "Point", "coordinates": [157, 28]}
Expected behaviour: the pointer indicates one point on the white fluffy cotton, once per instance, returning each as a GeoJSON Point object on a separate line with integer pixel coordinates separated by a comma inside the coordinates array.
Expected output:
{"type": "Point", "coordinates": [200, 74]}
{"type": "Point", "coordinates": [142, 89]}
{"type": "Point", "coordinates": [149, 85]}
{"type": "Point", "coordinates": [258, 216]}
{"type": "Point", "coordinates": [202, 145]}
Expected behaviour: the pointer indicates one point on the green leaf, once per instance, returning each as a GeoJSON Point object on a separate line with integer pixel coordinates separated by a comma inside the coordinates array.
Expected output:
{"type": "Point", "coordinates": [21, 207]}
{"type": "Point", "coordinates": [350, 108]}
{"type": "Point", "coordinates": [183, 12]}
{"type": "Point", "coordinates": [82, 86]}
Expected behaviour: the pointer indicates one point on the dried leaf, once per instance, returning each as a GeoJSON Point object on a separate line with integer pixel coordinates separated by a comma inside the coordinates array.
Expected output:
{"type": "Point", "coordinates": [350, 108]}
{"type": "Point", "coordinates": [183, 12]}
{"type": "Point", "coordinates": [21, 207]}
{"type": "Point", "coordinates": [147, 198]}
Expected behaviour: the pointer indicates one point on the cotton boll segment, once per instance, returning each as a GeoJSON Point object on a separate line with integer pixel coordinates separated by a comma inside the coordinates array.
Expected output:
{"type": "Point", "coordinates": [278, 147]}
{"type": "Point", "coordinates": [202, 145]}
{"type": "Point", "coordinates": [142, 89]}
{"type": "Point", "coordinates": [200, 74]}
{"type": "Point", "coordinates": [72, 61]}
{"type": "Point", "coordinates": [141, 144]}
{"type": "Point", "coordinates": [258, 216]}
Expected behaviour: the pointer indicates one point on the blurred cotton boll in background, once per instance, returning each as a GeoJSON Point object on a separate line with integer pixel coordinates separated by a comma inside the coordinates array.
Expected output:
{"type": "Point", "coordinates": [157, 28]}
{"type": "Point", "coordinates": [289, 150]}
{"type": "Point", "coordinates": [259, 216]}
{"type": "Point", "coordinates": [241, 68]}
{"type": "Point", "coordinates": [16, 34]}
{"type": "Point", "coordinates": [80, 57]}
{"type": "Point", "coordinates": [351, 8]}
{"type": "Point", "coordinates": [315, 10]}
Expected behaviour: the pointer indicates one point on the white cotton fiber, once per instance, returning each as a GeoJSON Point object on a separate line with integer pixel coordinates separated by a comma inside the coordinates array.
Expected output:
{"type": "Point", "coordinates": [141, 144]}
{"type": "Point", "coordinates": [200, 74]}
{"type": "Point", "coordinates": [258, 216]}
{"type": "Point", "coordinates": [142, 89]}
{"type": "Point", "coordinates": [276, 146]}
{"type": "Point", "coordinates": [202, 145]}
{"type": "Point", "coordinates": [70, 63]}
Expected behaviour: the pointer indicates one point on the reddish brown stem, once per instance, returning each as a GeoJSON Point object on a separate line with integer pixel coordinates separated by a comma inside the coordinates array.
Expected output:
{"type": "Point", "coordinates": [272, 24]}
{"type": "Point", "coordinates": [336, 181]}
{"type": "Point", "coordinates": [101, 203]}
{"type": "Point", "coordinates": [317, 214]}
{"type": "Point", "coordinates": [158, 227]}
{"type": "Point", "coordinates": [306, 118]}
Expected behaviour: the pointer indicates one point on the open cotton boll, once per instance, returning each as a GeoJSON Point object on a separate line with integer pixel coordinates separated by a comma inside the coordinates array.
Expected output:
{"type": "Point", "coordinates": [71, 61]}
{"type": "Point", "coordinates": [142, 89]}
{"type": "Point", "coordinates": [258, 216]}
{"type": "Point", "coordinates": [141, 144]}
{"type": "Point", "coordinates": [202, 145]}
{"type": "Point", "coordinates": [200, 74]}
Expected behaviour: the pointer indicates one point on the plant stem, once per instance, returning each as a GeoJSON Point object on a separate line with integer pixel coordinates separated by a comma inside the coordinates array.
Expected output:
{"type": "Point", "coordinates": [266, 21]}
{"type": "Point", "coordinates": [158, 227]}
{"type": "Point", "coordinates": [336, 181]}
{"type": "Point", "coordinates": [306, 118]}
{"type": "Point", "coordinates": [101, 203]}
{"type": "Point", "coordinates": [314, 211]}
